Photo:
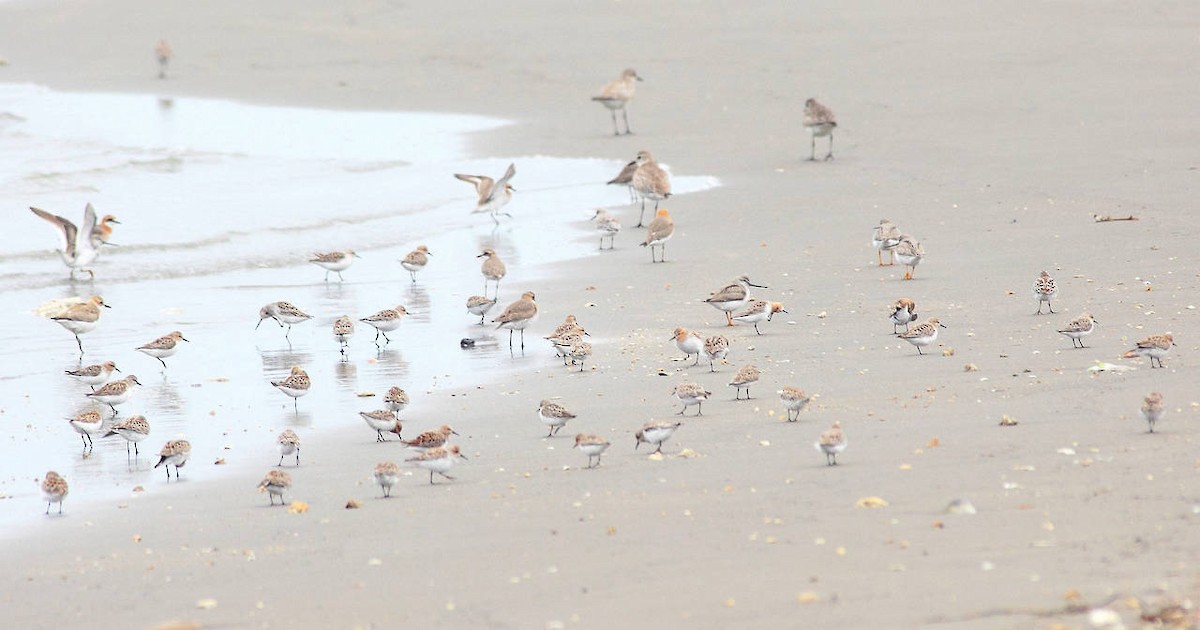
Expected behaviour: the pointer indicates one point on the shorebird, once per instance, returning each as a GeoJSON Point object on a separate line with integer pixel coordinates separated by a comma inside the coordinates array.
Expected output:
{"type": "Point", "coordinates": [385, 321]}
{"type": "Point", "coordinates": [731, 297]}
{"type": "Point", "coordinates": [554, 416]}
{"type": "Point", "coordinates": [660, 230]}
{"type": "Point", "coordinates": [274, 484]}
{"type": "Point", "coordinates": [80, 247]}
{"type": "Point", "coordinates": [759, 311]}
{"type": "Point", "coordinates": [625, 178]}
{"type": "Point", "coordinates": [518, 315]}
{"type": "Point", "coordinates": [493, 195]}
{"type": "Point", "coordinates": [691, 394]}
{"type": "Point", "coordinates": [716, 348]}
{"type": "Point", "coordinates": [382, 420]}
{"type": "Point", "coordinates": [689, 343]}
{"type": "Point", "coordinates": [493, 269]}
{"type": "Point", "coordinates": [430, 440]}
{"type": "Point", "coordinates": [592, 446]}
{"type": "Point", "coordinates": [923, 335]}
{"type": "Point", "coordinates": [336, 262]}
{"type": "Point", "coordinates": [416, 261]}
{"type": "Point", "coordinates": [904, 311]}
{"type": "Point", "coordinates": [650, 181]}
{"type": "Point", "coordinates": [1155, 347]}
{"type": "Point", "coordinates": [1045, 290]}
{"type": "Point", "coordinates": [819, 121]}
{"type": "Point", "coordinates": [1079, 328]}
{"type": "Point", "coordinates": [81, 318]}
{"type": "Point", "coordinates": [608, 226]}
{"type": "Point", "coordinates": [94, 375]}
{"type": "Point", "coordinates": [480, 305]}
{"type": "Point", "coordinates": [438, 460]}
{"type": "Point", "coordinates": [284, 314]}
{"type": "Point", "coordinates": [295, 385]}
{"type": "Point", "coordinates": [386, 475]}
{"type": "Point", "coordinates": [86, 424]}
{"type": "Point", "coordinates": [832, 442]}
{"type": "Point", "coordinates": [162, 52]}
{"type": "Point", "coordinates": [163, 347]}
{"type": "Point", "coordinates": [174, 453]}
{"type": "Point", "coordinates": [794, 399]}
{"type": "Point", "coordinates": [884, 238]}
{"type": "Point", "coordinates": [616, 95]}
{"type": "Point", "coordinates": [289, 443]}
{"type": "Point", "coordinates": [656, 433]}
{"type": "Point", "coordinates": [134, 429]}
{"type": "Point", "coordinates": [396, 399]}
{"type": "Point", "coordinates": [54, 490]}
{"type": "Point", "coordinates": [910, 254]}
{"type": "Point", "coordinates": [744, 378]}
{"type": "Point", "coordinates": [343, 330]}
{"type": "Point", "coordinates": [1152, 409]}
{"type": "Point", "coordinates": [116, 392]}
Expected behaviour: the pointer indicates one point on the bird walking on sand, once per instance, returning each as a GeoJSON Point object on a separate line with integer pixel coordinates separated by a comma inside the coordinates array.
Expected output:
{"type": "Point", "coordinates": [832, 442]}
{"type": "Point", "coordinates": [1152, 409]}
{"type": "Point", "coordinates": [732, 297]}
{"type": "Point", "coordinates": [1045, 290]}
{"type": "Point", "coordinates": [794, 399]}
{"type": "Point", "coordinates": [592, 446]}
{"type": "Point", "coordinates": [910, 254]}
{"type": "Point", "coordinates": [578, 352]}
{"type": "Point", "coordinates": [438, 460]}
{"type": "Point", "coordinates": [430, 440]}
{"type": "Point", "coordinates": [689, 343]}
{"type": "Point", "coordinates": [744, 378]}
{"type": "Point", "coordinates": [284, 314]}
{"type": "Point", "coordinates": [275, 484]}
{"type": "Point", "coordinates": [492, 195]}
{"type": "Point", "coordinates": [819, 121]}
{"type": "Point", "coordinates": [904, 312]}
{"type": "Point", "coordinates": [660, 230]}
{"type": "Point", "coordinates": [649, 181]}
{"type": "Point", "coordinates": [86, 424]}
{"type": "Point", "coordinates": [518, 316]}
{"type": "Point", "coordinates": [81, 318]}
{"type": "Point", "coordinates": [608, 226]}
{"type": "Point", "coordinates": [134, 429]}
{"type": "Point", "coordinates": [1155, 347]}
{"type": "Point", "coordinates": [385, 321]}
{"type": "Point", "coordinates": [923, 335]}
{"type": "Point", "coordinates": [54, 490]}
{"type": "Point", "coordinates": [116, 392]}
{"type": "Point", "coordinates": [416, 260]}
{"type": "Point", "coordinates": [174, 453]}
{"type": "Point", "coordinates": [656, 433]}
{"type": "Point", "coordinates": [396, 399]}
{"type": "Point", "coordinates": [691, 394]}
{"type": "Point", "coordinates": [295, 385]}
{"type": "Point", "coordinates": [163, 347]}
{"type": "Point", "coordinates": [382, 420]}
{"type": "Point", "coordinates": [94, 375]}
{"type": "Point", "coordinates": [884, 238]}
{"type": "Point", "coordinates": [625, 178]}
{"type": "Point", "coordinates": [554, 416]}
{"type": "Point", "coordinates": [386, 475]}
{"type": "Point", "coordinates": [1079, 328]}
{"type": "Point", "coordinates": [289, 444]}
{"type": "Point", "coordinates": [162, 52]}
{"type": "Point", "coordinates": [335, 262]}
{"type": "Point", "coordinates": [493, 269]}
{"type": "Point", "coordinates": [480, 305]}
{"type": "Point", "coordinates": [716, 348]}
{"type": "Point", "coordinates": [616, 96]}
{"type": "Point", "coordinates": [759, 311]}
{"type": "Point", "coordinates": [343, 330]}
{"type": "Point", "coordinates": [80, 246]}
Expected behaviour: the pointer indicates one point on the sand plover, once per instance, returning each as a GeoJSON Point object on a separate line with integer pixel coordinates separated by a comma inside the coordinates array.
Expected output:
{"type": "Point", "coordinates": [819, 121]}
{"type": "Point", "coordinates": [660, 230]}
{"type": "Point", "coordinates": [518, 316]}
{"type": "Point", "coordinates": [493, 269]}
{"type": "Point", "coordinates": [616, 96]}
{"type": "Point", "coordinates": [910, 254]}
{"type": "Point", "coordinates": [884, 238]}
{"type": "Point", "coordinates": [625, 178]}
{"type": "Point", "coordinates": [81, 318]}
{"type": "Point", "coordinates": [650, 181]}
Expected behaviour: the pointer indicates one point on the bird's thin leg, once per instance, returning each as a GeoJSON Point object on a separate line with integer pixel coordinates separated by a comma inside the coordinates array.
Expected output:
{"type": "Point", "coordinates": [616, 130]}
{"type": "Point", "coordinates": [522, 338]}
{"type": "Point", "coordinates": [297, 455]}
{"type": "Point", "coordinates": [756, 328]}
{"type": "Point", "coordinates": [625, 115]}
{"type": "Point", "coordinates": [83, 439]}
{"type": "Point", "coordinates": [340, 279]}
{"type": "Point", "coordinates": [280, 462]}
{"type": "Point", "coordinates": [919, 350]}
{"type": "Point", "coordinates": [80, 344]}
{"type": "Point", "coordinates": [728, 319]}
{"type": "Point", "coordinates": [643, 213]}
{"type": "Point", "coordinates": [829, 156]}
{"type": "Point", "coordinates": [700, 409]}
{"type": "Point", "coordinates": [385, 337]}
{"type": "Point", "coordinates": [812, 157]}
{"type": "Point", "coordinates": [446, 476]}
{"type": "Point", "coordinates": [164, 363]}
{"type": "Point", "coordinates": [431, 477]}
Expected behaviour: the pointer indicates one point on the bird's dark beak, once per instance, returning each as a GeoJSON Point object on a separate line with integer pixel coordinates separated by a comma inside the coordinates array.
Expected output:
{"type": "Point", "coordinates": [941, 324]}
{"type": "Point", "coordinates": [637, 77]}
{"type": "Point", "coordinates": [481, 255]}
{"type": "Point", "coordinates": [259, 323]}
{"type": "Point", "coordinates": [107, 243]}
{"type": "Point", "coordinates": [184, 339]}
{"type": "Point", "coordinates": [757, 285]}
{"type": "Point", "coordinates": [116, 368]}
{"type": "Point", "coordinates": [105, 306]}
{"type": "Point", "coordinates": [428, 253]}
{"type": "Point", "coordinates": [454, 432]}
{"type": "Point", "coordinates": [463, 456]}
{"type": "Point", "coordinates": [114, 221]}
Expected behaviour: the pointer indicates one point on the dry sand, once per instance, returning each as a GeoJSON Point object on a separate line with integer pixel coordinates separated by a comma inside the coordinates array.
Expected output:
{"type": "Point", "coordinates": [991, 132]}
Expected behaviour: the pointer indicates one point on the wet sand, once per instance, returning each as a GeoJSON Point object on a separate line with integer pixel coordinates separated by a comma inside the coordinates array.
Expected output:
{"type": "Point", "coordinates": [992, 135]}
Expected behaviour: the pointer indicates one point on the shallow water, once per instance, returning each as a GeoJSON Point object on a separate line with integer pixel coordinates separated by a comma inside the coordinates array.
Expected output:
{"type": "Point", "coordinates": [221, 205]}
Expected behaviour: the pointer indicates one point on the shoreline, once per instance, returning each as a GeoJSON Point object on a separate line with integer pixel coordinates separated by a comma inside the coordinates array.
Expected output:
{"type": "Point", "coordinates": [970, 129]}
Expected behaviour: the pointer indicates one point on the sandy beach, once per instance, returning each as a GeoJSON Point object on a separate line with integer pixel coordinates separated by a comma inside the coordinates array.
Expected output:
{"type": "Point", "coordinates": [991, 133]}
